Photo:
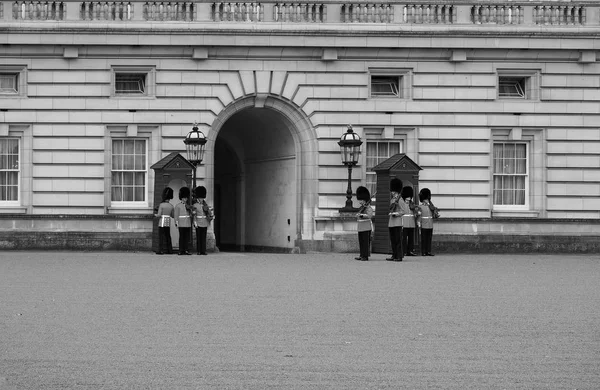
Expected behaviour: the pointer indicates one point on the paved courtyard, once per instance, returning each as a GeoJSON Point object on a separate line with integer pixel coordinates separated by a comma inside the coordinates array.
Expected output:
{"type": "Point", "coordinates": [318, 321]}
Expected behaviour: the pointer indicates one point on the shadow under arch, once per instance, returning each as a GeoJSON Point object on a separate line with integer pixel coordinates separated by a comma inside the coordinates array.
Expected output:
{"type": "Point", "coordinates": [306, 154]}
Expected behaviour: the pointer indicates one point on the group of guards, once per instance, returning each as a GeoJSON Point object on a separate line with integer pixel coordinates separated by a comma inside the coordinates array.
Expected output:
{"type": "Point", "coordinates": [198, 215]}
{"type": "Point", "coordinates": [405, 215]}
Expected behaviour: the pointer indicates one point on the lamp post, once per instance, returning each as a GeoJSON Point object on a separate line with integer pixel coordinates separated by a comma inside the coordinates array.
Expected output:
{"type": "Point", "coordinates": [194, 147]}
{"type": "Point", "coordinates": [350, 150]}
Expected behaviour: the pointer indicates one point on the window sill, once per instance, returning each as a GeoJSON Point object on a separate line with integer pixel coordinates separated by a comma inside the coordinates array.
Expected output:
{"type": "Point", "coordinates": [13, 210]}
{"type": "Point", "coordinates": [515, 213]}
{"type": "Point", "coordinates": [130, 210]}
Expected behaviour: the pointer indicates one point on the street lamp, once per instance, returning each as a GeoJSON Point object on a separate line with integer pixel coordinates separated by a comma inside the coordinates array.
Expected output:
{"type": "Point", "coordinates": [350, 150]}
{"type": "Point", "coordinates": [194, 147]}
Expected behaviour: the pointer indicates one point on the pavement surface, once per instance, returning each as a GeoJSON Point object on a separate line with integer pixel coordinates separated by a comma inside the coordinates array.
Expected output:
{"type": "Point", "coordinates": [317, 321]}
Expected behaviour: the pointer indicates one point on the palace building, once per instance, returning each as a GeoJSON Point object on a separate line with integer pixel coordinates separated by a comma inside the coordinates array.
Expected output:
{"type": "Point", "coordinates": [496, 101]}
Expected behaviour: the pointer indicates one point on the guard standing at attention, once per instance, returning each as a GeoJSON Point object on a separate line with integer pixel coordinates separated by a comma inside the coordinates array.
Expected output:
{"type": "Point", "coordinates": [395, 220]}
{"type": "Point", "coordinates": [364, 226]}
{"type": "Point", "coordinates": [183, 220]}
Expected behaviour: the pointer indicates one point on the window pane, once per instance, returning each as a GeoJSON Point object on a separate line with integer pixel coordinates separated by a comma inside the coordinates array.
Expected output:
{"type": "Point", "coordinates": [128, 194]}
{"type": "Point", "coordinates": [394, 148]}
{"type": "Point", "coordinates": [139, 194]}
{"type": "Point", "coordinates": [116, 194]}
{"type": "Point", "coordinates": [140, 162]}
{"type": "Point", "coordinates": [128, 146]}
{"type": "Point", "coordinates": [382, 150]}
{"type": "Point", "coordinates": [127, 178]}
{"type": "Point", "coordinates": [128, 162]}
{"type": "Point", "coordinates": [371, 155]}
{"type": "Point", "coordinates": [117, 147]}
{"type": "Point", "coordinates": [117, 162]}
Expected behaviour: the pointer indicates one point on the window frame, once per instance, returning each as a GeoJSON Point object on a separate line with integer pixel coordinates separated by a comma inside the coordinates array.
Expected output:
{"type": "Point", "coordinates": [526, 78]}
{"type": "Point", "coordinates": [17, 202]}
{"type": "Point", "coordinates": [20, 72]}
{"type": "Point", "coordinates": [404, 83]}
{"type": "Point", "coordinates": [150, 81]}
{"type": "Point", "coordinates": [139, 77]}
{"type": "Point", "coordinates": [130, 204]}
{"type": "Point", "coordinates": [526, 175]}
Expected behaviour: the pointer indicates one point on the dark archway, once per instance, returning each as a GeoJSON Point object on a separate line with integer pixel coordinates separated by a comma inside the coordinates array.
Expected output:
{"type": "Point", "coordinates": [255, 181]}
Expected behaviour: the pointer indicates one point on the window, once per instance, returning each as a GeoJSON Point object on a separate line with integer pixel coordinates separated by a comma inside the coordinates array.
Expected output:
{"type": "Point", "coordinates": [130, 83]}
{"type": "Point", "coordinates": [129, 173]}
{"type": "Point", "coordinates": [9, 83]}
{"type": "Point", "coordinates": [390, 83]}
{"type": "Point", "coordinates": [377, 152]}
{"type": "Point", "coordinates": [518, 84]}
{"type": "Point", "coordinates": [510, 175]}
{"type": "Point", "coordinates": [9, 170]}
{"type": "Point", "coordinates": [512, 87]}
{"type": "Point", "coordinates": [385, 85]}
{"type": "Point", "coordinates": [13, 81]}
{"type": "Point", "coordinates": [133, 81]}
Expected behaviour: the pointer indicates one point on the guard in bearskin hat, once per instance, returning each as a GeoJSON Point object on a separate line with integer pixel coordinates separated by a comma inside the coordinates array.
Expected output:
{"type": "Point", "coordinates": [364, 226]}
{"type": "Point", "coordinates": [164, 214]}
{"type": "Point", "coordinates": [408, 221]}
{"type": "Point", "coordinates": [202, 217]}
{"type": "Point", "coordinates": [183, 220]}
{"type": "Point", "coordinates": [395, 220]}
{"type": "Point", "coordinates": [428, 213]}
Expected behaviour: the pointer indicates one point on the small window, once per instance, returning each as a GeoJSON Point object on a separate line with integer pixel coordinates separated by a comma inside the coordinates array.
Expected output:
{"type": "Point", "coordinates": [9, 83]}
{"type": "Point", "coordinates": [9, 170]}
{"type": "Point", "coordinates": [386, 86]}
{"type": "Point", "coordinates": [130, 83]}
{"type": "Point", "coordinates": [512, 87]}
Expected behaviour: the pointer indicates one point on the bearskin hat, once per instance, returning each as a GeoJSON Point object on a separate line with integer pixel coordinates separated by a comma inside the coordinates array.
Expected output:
{"type": "Point", "coordinates": [200, 192]}
{"type": "Point", "coordinates": [167, 194]}
{"type": "Point", "coordinates": [424, 194]}
{"type": "Point", "coordinates": [396, 185]}
{"type": "Point", "coordinates": [184, 192]}
{"type": "Point", "coordinates": [362, 193]}
{"type": "Point", "coordinates": [407, 192]}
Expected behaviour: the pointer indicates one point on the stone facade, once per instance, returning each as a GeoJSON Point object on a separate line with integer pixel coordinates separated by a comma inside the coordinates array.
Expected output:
{"type": "Point", "coordinates": [274, 86]}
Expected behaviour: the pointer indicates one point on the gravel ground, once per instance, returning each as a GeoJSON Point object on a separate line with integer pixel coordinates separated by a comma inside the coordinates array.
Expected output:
{"type": "Point", "coordinates": [318, 321]}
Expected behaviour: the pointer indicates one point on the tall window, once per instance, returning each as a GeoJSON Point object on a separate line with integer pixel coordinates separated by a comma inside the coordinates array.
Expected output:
{"type": "Point", "coordinates": [377, 152]}
{"type": "Point", "coordinates": [129, 170]}
{"type": "Point", "coordinates": [9, 170]}
{"type": "Point", "coordinates": [510, 174]}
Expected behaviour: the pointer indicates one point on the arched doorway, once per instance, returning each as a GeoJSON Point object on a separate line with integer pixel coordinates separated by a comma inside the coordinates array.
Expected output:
{"type": "Point", "coordinates": [255, 182]}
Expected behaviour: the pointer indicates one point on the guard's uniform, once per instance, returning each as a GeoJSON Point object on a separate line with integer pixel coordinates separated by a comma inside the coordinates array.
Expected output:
{"type": "Point", "coordinates": [428, 212]}
{"type": "Point", "coordinates": [183, 221]}
{"type": "Point", "coordinates": [203, 216]}
{"type": "Point", "coordinates": [408, 221]}
{"type": "Point", "coordinates": [364, 223]}
{"type": "Point", "coordinates": [395, 220]}
{"type": "Point", "coordinates": [165, 213]}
